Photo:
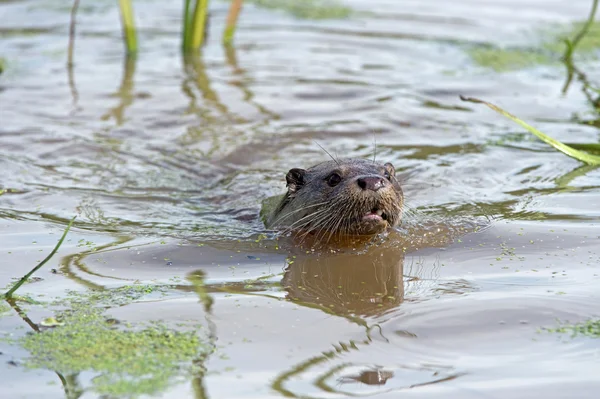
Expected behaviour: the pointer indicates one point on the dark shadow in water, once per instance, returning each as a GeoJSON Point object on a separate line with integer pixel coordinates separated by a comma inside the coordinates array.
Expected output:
{"type": "Point", "coordinates": [125, 92]}
{"type": "Point", "coordinates": [70, 383]}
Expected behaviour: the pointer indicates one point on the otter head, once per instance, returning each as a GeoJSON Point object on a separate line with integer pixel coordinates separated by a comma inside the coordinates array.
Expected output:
{"type": "Point", "coordinates": [344, 197]}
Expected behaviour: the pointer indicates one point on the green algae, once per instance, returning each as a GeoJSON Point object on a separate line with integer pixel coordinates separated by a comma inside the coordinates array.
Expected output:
{"type": "Point", "coordinates": [4, 309]}
{"type": "Point", "coordinates": [128, 360]}
{"type": "Point", "coordinates": [308, 9]}
{"type": "Point", "coordinates": [549, 51]}
{"type": "Point", "coordinates": [500, 59]}
{"type": "Point", "coordinates": [589, 328]}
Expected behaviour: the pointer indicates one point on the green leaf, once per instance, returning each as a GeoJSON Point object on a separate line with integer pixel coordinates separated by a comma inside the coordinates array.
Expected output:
{"type": "Point", "coordinates": [570, 151]}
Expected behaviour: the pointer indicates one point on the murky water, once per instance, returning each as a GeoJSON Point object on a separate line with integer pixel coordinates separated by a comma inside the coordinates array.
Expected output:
{"type": "Point", "coordinates": [166, 161]}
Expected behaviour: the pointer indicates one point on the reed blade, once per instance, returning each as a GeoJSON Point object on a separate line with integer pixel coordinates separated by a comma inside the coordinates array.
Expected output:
{"type": "Point", "coordinates": [39, 265]}
{"type": "Point", "coordinates": [129, 31]}
{"type": "Point", "coordinates": [232, 18]}
{"type": "Point", "coordinates": [198, 24]}
{"type": "Point", "coordinates": [570, 151]}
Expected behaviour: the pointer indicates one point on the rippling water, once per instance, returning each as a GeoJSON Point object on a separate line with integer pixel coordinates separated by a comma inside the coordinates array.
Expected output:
{"type": "Point", "coordinates": [166, 160]}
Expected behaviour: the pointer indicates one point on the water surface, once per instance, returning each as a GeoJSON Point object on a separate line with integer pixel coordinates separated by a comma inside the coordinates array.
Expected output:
{"type": "Point", "coordinates": [166, 160]}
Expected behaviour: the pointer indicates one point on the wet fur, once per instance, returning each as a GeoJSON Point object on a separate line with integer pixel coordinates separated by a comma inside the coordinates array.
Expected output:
{"type": "Point", "coordinates": [313, 206]}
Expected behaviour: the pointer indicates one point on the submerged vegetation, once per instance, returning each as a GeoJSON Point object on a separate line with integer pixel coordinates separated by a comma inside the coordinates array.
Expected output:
{"type": "Point", "coordinates": [557, 47]}
{"type": "Point", "coordinates": [586, 38]}
{"type": "Point", "coordinates": [589, 328]}
{"type": "Point", "coordinates": [24, 279]}
{"type": "Point", "coordinates": [308, 9]}
{"type": "Point", "coordinates": [195, 18]}
{"type": "Point", "coordinates": [587, 157]}
{"type": "Point", "coordinates": [129, 361]}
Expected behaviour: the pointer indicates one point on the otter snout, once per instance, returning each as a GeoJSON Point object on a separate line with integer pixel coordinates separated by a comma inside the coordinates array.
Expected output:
{"type": "Point", "coordinates": [372, 183]}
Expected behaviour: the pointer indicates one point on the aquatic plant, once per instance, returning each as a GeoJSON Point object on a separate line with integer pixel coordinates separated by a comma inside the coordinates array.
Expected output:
{"type": "Point", "coordinates": [572, 44]}
{"type": "Point", "coordinates": [308, 9]}
{"type": "Point", "coordinates": [232, 17]}
{"type": "Point", "coordinates": [129, 30]}
{"type": "Point", "coordinates": [195, 18]}
{"type": "Point", "coordinates": [19, 283]}
{"type": "Point", "coordinates": [588, 328]}
{"type": "Point", "coordinates": [552, 50]}
{"type": "Point", "coordinates": [128, 361]}
{"type": "Point", "coordinates": [582, 156]}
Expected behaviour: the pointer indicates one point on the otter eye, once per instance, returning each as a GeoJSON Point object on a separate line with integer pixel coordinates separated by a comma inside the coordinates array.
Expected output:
{"type": "Point", "coordinates": [334, 179]}
{"type": "Point", "coordinates": [387, 175]}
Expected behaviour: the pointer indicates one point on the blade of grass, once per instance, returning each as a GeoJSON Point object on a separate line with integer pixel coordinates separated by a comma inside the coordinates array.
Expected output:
{"type": "Point", "coordinates": [232, 17]}
{"type": "Point", "coordinates": [42, 263]}
{"type": "Point", "coordinates": [129, 32]}
{"type": "Point", "coordinates": [187, 24]}
{"type": "Point", "coordinates": [199, 24]}
{"type": "Point", "coordinates": [570, 151]}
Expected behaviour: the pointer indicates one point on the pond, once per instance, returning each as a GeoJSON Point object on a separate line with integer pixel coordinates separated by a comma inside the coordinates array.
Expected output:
{"type": "Point", "coordinates": [168, 284]}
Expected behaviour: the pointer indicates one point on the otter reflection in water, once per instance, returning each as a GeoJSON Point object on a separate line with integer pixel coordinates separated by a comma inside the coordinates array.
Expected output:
{"type": "Point", "coordinates": [362, 284]}
{"type": "Point", "coordinates": [348, 197]}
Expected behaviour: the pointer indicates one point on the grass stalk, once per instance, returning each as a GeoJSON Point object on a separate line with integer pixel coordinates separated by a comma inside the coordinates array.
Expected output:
{"type": "Point", "coordinates": [42, 263]}
{"type": "Point", "coordinates": [129, 32]}
{"type": "Point", "coordinates": [198, 24]}
{"type": "Point", "coordinates": [187, 24]}
{"type": "Point", "coordinates": [232, 17]}
{"type": "Point", "coordinates": [72, 33]}
{"type": "Point", "coordinates": [572, 44]}
{"type": "Point", "coordinates": [582, 156]}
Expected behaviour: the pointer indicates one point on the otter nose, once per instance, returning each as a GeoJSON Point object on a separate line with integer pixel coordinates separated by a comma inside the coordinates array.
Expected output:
{"type": "Point", "coordinates": [372, 183]}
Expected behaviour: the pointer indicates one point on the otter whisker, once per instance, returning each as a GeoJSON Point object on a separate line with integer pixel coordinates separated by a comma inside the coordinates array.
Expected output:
{"type": "Point", "coordinates": [327, 152]}
{"type": "Point", "coordinates": [314, 214]}
{"type": "Point", "coordinates": [296, 211]}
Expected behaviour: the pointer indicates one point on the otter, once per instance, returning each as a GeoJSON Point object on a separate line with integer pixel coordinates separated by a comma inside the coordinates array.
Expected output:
{"type": "Point", "coordinates": [346, 197]}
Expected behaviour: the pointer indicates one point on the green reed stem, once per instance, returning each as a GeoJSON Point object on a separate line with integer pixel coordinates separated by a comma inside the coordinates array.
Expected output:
{"type": "Point", "coordinates": [572, 44]}
{"type": "Point", "coordinates": [129, 32]}
{"type": "Point", "coordinates": [42, 263]}
{"type": "Point", "coordinates": [232, 17]}
{"type": "Point", "coordinates": [198, 24]}
{"type": "Point", "coordinates": [187, 24]}
{"type": "Point", "coordinates": [582, 156]}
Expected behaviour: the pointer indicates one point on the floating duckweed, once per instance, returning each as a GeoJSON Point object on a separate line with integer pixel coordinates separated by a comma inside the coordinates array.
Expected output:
{"type": "Point", "coordinates": [549, 51]}
{"type": "Point", "coordinates": [589, 328]}
{"type": "Point", "coordinates": [500, 59]}
{"type": "Point", "coordinates": [129, 362]}
{"type": "Point", "coordinates": [4, 309]}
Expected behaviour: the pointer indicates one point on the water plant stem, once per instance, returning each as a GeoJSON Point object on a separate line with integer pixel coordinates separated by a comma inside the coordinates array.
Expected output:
{"type": "Point", "coordinates": [42, 263]}
{"type": "Point", "coordinates": [232, 17]}
{"type": "Point", "coordinates": [198, 24]}
{"type": "Point", "coordinates": [570, 151]}
{"type": "Point", "coordinates": [129, 32]}
{"type": "Point", "coordinates": [187, 24]}
{"type": "Point", "coordinates": [571, 45]}
{"type": "Point", "coordinates": [72, 32]}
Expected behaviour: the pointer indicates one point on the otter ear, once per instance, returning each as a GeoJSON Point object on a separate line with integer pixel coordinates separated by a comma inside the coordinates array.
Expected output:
{"type": "Point", "coordinates": [295, 179]}
{"type": "Point", "coordinates": [390, 168]}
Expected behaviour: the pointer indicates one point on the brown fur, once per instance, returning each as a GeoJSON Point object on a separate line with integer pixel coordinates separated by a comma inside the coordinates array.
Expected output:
{"type": "Point", "coordinates": [313, 205]}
